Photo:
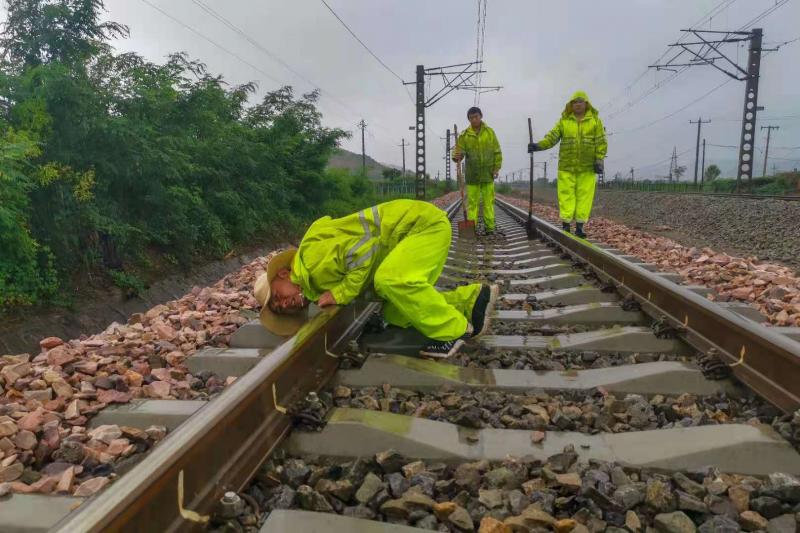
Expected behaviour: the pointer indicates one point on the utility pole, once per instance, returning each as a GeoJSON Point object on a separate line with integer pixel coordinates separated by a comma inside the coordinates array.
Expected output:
{"type": "Point", "coordinates": [703, 167]}
{"type": "Point", "coordinates": [447, 163]}
{"type": "Point", "coordinates": [707, 51]}
{"type": "Point", "coordinates": [545, 171]}
{"type": "Point", "coordinates": [403, 145]}
{"type": "Point", "coordinates": [631, 173]}
{"type": "Point", "coordinates": [766, 151]}
{"type": "Point", "coordinates": [673, 163]}
{"type": "Point", "coordinates": [699, 123]}
{"type": "Point", "coordinates": [460, 76]}
{"type": "Point", "coordinates": [363, 127]}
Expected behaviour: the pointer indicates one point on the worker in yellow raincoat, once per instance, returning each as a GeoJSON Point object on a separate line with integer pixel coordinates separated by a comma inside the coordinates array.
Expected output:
{"type": "Point", "coordinates": [583, 149]}
{"type": "Point", "coordinates": [479, 145]}
{"type": "Point", "coordinates": [399, 248]}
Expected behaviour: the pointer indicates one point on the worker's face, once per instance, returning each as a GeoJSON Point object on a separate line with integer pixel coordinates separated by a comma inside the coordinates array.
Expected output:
{"type": "Point", "coordinates": [579, 106]}
{"type": "Point", "coordinates": [474, 120]}
{"type": "Point", "coordinates": [286, 297]}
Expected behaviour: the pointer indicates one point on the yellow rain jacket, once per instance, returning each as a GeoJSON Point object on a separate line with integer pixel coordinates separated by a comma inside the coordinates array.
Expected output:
{"type": "Point", "coordinates": [582, 143]}
{"type": "Point", "coordinates": [483, 159]}
{"type": "Point", "coordinates": [399, 247]}
{"type": "Point", "coordinates": [482, 154]}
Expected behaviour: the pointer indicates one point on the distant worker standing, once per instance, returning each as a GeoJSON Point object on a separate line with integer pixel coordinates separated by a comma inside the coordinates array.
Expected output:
{"type": "Point", "coordinates": [479, 145]}
{"type": "Point", "coordinates": [580, 159]}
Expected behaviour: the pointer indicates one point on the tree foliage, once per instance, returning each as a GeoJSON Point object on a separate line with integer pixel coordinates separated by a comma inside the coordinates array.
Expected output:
{"type": "Point", "coordinates": [712, 173]}
{"type": "Point", "coordinates": [108, 160]}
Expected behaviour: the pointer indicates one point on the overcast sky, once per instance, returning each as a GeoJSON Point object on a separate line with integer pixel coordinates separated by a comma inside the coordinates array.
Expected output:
{"type": "Point", "coordinates": [539, 51]}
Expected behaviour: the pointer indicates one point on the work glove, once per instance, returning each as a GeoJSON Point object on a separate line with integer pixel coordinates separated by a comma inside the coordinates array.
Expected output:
{"type": "Point", "coordinates": [533, 147]}
{"type": "Point", "coordinates": [599, 166]}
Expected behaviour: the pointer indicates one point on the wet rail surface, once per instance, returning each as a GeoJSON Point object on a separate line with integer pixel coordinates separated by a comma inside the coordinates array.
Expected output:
{"type": "Point", "coordinates": [589, 360]}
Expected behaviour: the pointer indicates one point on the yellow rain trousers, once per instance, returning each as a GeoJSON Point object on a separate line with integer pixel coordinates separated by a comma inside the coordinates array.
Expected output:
{"type": "Point", "coordinates": [476, 192]}
{"type": "Point", "coordinates": [582, 144]}
{"type": "Point", "coordinates": [400, 247]}
{"type": "Point", "coordinates": [483, 160]}
{"type": "Point", "coordinates": [575, 195]}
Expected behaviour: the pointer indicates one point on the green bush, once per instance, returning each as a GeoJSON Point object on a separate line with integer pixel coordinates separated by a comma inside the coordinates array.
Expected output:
{"type": "Point", "coordinates": [130, 283]}
{"type": "Point", "coordinates": [108, 161]}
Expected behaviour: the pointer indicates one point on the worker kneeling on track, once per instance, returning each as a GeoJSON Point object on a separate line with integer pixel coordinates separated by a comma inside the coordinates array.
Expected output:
{"type": "Point", "coordinates": [400, 247]}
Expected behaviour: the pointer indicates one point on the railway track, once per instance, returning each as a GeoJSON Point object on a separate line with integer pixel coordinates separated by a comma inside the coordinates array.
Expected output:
{"type": "Point", "coordinates": [590, 377]}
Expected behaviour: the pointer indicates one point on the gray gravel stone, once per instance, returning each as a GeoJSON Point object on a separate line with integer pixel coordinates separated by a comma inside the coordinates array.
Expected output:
{"type": "Point", "coordinates": [767, 506]}
{"type": "Point", "coordinates": [676, 522]}
{"type": "Point", "coordinates": [719, 524]}
{"type": "Point", "coordinates": [782, 524]}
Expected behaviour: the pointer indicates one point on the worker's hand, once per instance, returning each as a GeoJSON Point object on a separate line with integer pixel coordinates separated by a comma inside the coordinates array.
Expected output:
{"type": "Point", "coordinates": [533, 147]}
{"type": "Point", "coordinates": [599, 166]}
{"type": "Point", "coordinates": [326, 299]}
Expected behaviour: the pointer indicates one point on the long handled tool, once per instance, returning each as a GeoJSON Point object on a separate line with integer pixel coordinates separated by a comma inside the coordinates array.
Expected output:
{"type": "Point", "coordinates": [466, 228]}
{"type": "Point", "coordinates": [529, 229]}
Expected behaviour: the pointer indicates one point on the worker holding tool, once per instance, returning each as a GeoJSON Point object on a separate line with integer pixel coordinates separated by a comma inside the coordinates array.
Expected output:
{"type": "Point", "coordinates": [399, 248]}
{"type": "Point", "coordinates": [479, 145]}
{"type": "Point", "coordinates": [583, 149]}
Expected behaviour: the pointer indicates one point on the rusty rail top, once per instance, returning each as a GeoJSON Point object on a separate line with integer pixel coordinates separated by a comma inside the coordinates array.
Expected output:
{"type": "Point", "coordinates": [766, 361]}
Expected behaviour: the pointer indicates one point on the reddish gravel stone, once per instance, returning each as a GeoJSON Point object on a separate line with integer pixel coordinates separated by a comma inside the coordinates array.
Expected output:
{"type": "Point", "coordinates": [60, 356]}
{"type": "Point", "coordinates": [10, 472]}
{"type": "Point", "coordinates": [25, 440]}
{"type": "Point", "coordinates": [8, 428]}
{"type": "Point", "coordinates": [65, 481]}
{"type": "Point", "coordinates": [32, 421]}
{"type": "Point", "coordinates": [90, 486]}
{"type": "Point", "coordinates": [50, 342]}
{"type": "Point", "coordinates": [113, 396]}
{"type": "Point", "coordinates": [157, 389]}
{"type": "Point", "coordinates": [13, 372]}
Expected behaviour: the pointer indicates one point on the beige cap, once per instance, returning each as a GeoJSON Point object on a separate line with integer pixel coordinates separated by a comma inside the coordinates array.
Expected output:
{"type": "Point", "coordinates": [284, 325]}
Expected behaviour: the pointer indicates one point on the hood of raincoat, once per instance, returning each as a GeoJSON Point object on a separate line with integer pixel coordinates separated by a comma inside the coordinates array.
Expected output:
{"type": "Point", "coordinates": [590, 110]}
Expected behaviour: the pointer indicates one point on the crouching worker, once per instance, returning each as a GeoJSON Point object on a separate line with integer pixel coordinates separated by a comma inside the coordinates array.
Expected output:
{"type": "Point", "coordinates": [399, 248]}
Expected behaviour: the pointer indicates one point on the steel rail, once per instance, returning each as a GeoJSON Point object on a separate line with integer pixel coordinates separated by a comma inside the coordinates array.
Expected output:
{"type": "Point", "coordinates": [788, 198]}
{"type": "Point", "coordinates": [766, 361]}
{"type": "Point", "coordinates": [221, 446]}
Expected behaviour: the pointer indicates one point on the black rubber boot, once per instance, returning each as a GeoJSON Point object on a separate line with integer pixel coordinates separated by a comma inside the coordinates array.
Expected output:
{"type": "Point", "coordinates": [579, 230]}
{"type": "Point", "coordinates": [565, 227]}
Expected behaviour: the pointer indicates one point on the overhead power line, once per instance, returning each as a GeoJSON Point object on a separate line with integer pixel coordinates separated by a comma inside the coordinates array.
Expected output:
{"type": "Point", "coordinates": [378, 59]}
{"type": "Point", "coordinates": [219, 17]}
{"type": "Point", "coordinates": [715, 11]}
{"type": "Point", "coordinates": [373, 54]}
{"type": "Point", "coordinates": [480, 39]}
{"type": "Point", "coordinates": [665, 117]}
{"type": "Point", "coordinates": [687, 33]}
{"type": "Point", "coordinates": [323, 93]}
{"type": "Point", "coordinates": [216, 44]}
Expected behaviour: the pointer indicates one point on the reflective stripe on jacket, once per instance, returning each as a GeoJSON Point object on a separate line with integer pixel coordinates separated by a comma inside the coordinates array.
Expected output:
{"type": "Point", "coordinates": [341, 254]}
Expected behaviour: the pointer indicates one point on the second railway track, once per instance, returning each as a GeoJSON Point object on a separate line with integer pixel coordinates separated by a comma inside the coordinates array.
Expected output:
{"type": "Point", "coordinates": [586, 402]}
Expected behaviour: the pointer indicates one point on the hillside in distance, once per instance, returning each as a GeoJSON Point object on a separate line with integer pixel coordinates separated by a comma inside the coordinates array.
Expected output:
{"type": "Point", "coordinates": [342, 158]}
